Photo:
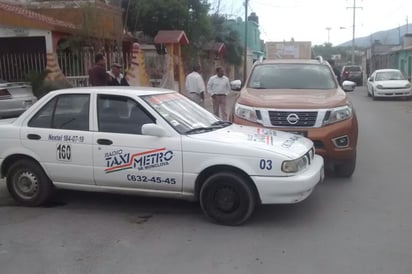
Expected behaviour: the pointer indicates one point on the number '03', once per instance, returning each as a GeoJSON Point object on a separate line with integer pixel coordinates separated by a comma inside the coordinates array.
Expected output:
{"type": "Point", "coordinates": [265, 164]}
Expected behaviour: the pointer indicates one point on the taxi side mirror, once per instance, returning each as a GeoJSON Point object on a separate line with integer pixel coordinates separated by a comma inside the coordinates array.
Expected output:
{"type": "Point", "coordinates": [154, 130]}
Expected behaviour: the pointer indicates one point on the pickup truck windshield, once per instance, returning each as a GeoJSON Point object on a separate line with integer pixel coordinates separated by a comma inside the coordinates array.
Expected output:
{"type": "Point", "coordinates": [292, 76]}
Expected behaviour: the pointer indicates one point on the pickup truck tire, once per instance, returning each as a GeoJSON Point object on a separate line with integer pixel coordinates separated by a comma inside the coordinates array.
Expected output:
{"type": "Point", "coordinates": [346, 168]}
{"type": "Point", "coordinates": [28, 184]}
{"type": "Point", "coordinates": [227, 198]}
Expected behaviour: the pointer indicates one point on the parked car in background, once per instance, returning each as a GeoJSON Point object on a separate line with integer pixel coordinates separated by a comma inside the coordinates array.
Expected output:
{"type": "Point", "coordinates": [388, 83]}
{"type": "Point", "coordinates": [302, 97]}
{"type": "Point", "coordinates": [352, 73]}
{"type": "Point", "coordinates": [15, 98]}
{"type": "Point", "coordinates": [152, 142]}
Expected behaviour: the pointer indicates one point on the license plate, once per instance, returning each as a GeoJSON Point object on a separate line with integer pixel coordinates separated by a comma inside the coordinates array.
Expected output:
{"type": "Point", "coordinates": [301, 133]}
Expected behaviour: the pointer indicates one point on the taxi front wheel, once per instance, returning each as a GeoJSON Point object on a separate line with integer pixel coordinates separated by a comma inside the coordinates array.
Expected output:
{"type": "Point", "coordinates": [227, 198]}
{"type": "Point", "coordinates": [28, 184]}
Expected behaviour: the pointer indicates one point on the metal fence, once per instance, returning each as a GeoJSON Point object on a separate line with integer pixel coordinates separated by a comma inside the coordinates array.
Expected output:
{"type": "Point", "coordinates": [16, 67]}
{"type": "Point", "coordinates": [75, 66]}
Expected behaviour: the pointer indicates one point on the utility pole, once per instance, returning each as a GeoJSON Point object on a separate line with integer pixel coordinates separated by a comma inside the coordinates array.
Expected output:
{"type": "Point", "coordinates": [328, 29]}
{"type": "Point", "coordinates": [354, 7]}
{"type": "Point", "coordinates": [245, 49]}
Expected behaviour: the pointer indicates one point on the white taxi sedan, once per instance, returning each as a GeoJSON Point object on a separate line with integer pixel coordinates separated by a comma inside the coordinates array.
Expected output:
{"type": "Point", "coordinates": [388, 83]}
{"type": "Point", "coordinates": [152, 142]}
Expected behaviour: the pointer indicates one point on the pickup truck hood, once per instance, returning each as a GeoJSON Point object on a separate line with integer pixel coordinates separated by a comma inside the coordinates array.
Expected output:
{"type": "Point", "coordinates": [392, 83]}
{"type": "Point", "coordinates": [292, 98]}
{"type": "Point", "coordinates": [245, 140]}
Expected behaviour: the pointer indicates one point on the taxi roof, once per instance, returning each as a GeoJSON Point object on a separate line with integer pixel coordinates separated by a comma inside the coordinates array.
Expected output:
{"type": "Point", "coordinates": [120, 90]}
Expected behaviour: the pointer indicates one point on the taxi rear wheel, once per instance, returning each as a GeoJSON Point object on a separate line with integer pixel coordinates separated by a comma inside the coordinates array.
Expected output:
{"type": "Point", "coordinates": [227, 198]}
{"type": "Point", "coordinates": [28, 184]}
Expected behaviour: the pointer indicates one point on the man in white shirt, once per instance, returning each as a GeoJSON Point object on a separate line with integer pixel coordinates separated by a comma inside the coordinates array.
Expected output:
{"type": "Point", "coordinates": [219, 87]}
{"type": "Point", "coordinates": [195, 86]}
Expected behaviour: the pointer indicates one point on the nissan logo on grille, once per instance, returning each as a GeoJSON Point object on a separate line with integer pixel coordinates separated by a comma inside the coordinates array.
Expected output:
{"type": "Point", "coordinates": [292, 118]}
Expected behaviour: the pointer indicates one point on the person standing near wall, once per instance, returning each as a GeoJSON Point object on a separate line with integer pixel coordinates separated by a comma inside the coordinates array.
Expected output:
{"type": "Point", "coordinates": [195, 86]}
{"type": "Point", "coordinates": [97, 74]}
{"type": "Point", "coordinates": [116, 77]}
{"type": "Point", "coordinates": [218, 87]}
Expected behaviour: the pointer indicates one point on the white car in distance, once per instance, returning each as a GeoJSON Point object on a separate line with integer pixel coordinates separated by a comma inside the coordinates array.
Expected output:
{"type": "Point", "coordinates": [388, 83]}
{"type": "Point", "coordinates": [152, 142]}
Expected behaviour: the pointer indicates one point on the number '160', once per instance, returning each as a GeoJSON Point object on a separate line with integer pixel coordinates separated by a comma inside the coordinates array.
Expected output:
{"type": "Point", "coordinates": [265, 164]}
{"type": "Point", "coordinates": [64, 152]}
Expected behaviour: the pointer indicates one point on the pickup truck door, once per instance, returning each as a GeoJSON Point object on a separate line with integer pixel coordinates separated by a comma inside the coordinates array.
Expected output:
{"type": "Point", "coordinates": [124, 158]}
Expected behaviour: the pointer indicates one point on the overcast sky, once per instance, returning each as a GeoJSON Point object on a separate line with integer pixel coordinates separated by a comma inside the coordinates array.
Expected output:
{"type": "Point", "coordinates": [307, 20]}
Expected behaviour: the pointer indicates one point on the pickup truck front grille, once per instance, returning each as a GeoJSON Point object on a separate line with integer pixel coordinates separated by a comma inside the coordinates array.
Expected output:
{"type": "Point", "coordinates": [293, 118]}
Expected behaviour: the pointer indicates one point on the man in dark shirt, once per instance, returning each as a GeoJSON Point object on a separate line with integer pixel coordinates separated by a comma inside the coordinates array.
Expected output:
{"type": "Point", "coordinates": [97, 74]}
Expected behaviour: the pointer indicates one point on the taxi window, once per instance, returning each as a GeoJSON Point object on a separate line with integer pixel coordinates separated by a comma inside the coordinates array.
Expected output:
{"type": "Point", "coordinates": [69, 111]}
{"type": "Point", "coordinates": [119, 114]}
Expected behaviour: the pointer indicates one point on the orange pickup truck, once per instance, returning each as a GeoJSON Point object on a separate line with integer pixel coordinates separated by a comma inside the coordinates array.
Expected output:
{"type": "Point", "coordinates": [303, 97]}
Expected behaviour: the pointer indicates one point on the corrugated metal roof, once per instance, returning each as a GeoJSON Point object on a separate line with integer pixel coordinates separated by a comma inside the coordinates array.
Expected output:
{"type": "Point", "coordinates": [171, 37]}
{"type": "Point", "coordinates": [36, 16]}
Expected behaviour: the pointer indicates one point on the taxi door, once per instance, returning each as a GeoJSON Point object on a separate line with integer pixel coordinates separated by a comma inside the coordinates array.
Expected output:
{"type": "Point", "coordinates": [58, 134]}
{"type": "Point", "coordinates": [124, 158]}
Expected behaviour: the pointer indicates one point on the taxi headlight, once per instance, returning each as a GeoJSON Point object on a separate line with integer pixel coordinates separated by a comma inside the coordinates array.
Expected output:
{"type": "Point", "coordinates": [339, 114]}
{"type": "Point", "coordinates": [293, 166]}
{"type": "Point", "coordinates": [245, 112]}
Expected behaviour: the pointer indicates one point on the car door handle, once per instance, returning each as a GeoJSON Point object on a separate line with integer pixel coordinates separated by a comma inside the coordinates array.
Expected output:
{"type": "Point", "coordinates": [33, 137]}
{"type": "Point", "coordinates": [105, 142]}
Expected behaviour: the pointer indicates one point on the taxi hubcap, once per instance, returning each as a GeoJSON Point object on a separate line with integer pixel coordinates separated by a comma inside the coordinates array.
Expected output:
{"type": "Point", "coordinates": [226, 199]}
{"type": "Point", "coordinates": [26, 185]}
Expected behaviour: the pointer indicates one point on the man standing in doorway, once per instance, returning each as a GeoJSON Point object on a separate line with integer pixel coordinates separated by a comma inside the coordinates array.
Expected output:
{"type": "Point", "coordinates": [97, 74]}
{"type": "Point", "coordinates": [195, 86]}
{"type": "Point", "coordinates": [218, 87]}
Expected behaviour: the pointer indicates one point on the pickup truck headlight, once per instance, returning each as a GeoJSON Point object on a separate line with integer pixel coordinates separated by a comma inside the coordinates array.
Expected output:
{"type": "Point", "coordinates": [245, 112]}
{"type": "Point", "coordinates": [338, 114]}
{"type": "Point", "coordinates": [293, 166]}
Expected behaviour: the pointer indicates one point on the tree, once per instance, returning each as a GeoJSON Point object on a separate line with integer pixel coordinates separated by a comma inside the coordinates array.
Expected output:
{"type": "Point", "coordinates": [223, 33]}
{"type": "Point", "coordinates": [326, 50]}
{"type": "Point", "coordinates": [188, 15]}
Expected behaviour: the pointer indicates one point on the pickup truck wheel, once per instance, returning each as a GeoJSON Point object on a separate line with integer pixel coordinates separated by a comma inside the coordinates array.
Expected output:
{"type": "Point", "coordinates": [227, 198]}
{"type": "Point", "coordinates": [346, 168]}
{"type": "Point", "coordinates": [28, 184]}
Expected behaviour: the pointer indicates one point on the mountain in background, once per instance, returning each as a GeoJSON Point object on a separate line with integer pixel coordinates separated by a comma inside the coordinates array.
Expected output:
{"type": "Point", "coordinates": [385, 37]}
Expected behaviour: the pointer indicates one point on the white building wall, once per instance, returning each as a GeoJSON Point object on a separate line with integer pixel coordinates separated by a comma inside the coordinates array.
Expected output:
{"type": "Point", "coordinates": [7, 31]}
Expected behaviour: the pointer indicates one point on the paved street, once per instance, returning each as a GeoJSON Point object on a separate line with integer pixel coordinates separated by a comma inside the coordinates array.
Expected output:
{"type": "Point", "coordinates": [361, 225]}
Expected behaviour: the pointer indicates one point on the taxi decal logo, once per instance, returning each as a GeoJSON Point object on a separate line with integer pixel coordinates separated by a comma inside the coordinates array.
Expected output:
{"type": "Point", "coordinates": [263, 135]}
{"type": "Point", "coordinates": [118, 160]}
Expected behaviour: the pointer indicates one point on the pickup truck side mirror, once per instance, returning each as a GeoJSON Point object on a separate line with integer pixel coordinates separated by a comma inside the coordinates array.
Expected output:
{"type": "Point", "coordinates": [348, 86]}
{"type": "Point", "coordinates": [236, 85]}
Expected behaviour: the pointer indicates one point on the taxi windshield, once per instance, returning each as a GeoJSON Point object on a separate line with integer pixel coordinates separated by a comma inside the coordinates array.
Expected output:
{"type": "Point", "coordinates": [182, 114]}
